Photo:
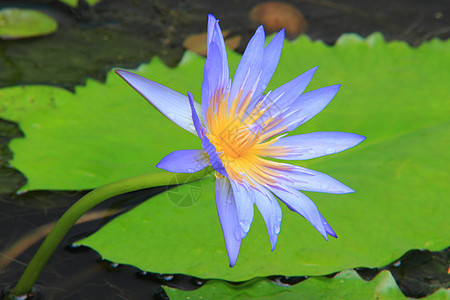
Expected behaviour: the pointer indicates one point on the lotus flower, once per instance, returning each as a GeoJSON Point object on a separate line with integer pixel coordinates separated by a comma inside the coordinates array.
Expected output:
{"type": "Point", "coordinates": [243, 136]}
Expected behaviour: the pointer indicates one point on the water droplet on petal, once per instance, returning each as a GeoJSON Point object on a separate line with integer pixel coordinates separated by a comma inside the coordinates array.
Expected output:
{"type": "Point", "coordinates": [310, 151]}
{"type": "Point", "coordinates": [330, 151]}
{"type": "Point", "coordinates": [279, 218]}
{"type": "Point", "coordinates": [171, 116]}
{"type": "Point", "coordinates": [276, 229]}
{"type": "Point", "coordinates": [325, 186]}
{"type": "Point", "coordinates": [244, 226]}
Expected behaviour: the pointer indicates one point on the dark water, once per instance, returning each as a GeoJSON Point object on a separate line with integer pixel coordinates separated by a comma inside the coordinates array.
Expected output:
{"type": "Point", "coordinates": [124, 33]}
{"type": "Point", "coordinates": [92, 40]}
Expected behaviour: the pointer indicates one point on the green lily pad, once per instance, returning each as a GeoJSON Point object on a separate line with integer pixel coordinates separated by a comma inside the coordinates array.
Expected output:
{"type": "Point", "coordinates": [120, 145]}
{"type": "Point", "coordinates": [16, 23]}
{"type": "Point", "coordinates": [345, 285]}
{"type": "Point", "coordinates": [389, 215]}
{"type": "Point", "coordinates": [74, 3]}
{"type": "Point", "coordinates": [393, 94]}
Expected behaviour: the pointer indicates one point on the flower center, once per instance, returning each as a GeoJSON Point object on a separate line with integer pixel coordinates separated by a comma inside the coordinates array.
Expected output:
{"type": "Point", "coordinates": [233, 140]}
{"type": "Point", "coordinates": [240, 140]}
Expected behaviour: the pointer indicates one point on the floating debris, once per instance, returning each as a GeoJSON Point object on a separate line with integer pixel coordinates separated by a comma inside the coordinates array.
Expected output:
{"type": "Point", "coordinates": [275, 16]}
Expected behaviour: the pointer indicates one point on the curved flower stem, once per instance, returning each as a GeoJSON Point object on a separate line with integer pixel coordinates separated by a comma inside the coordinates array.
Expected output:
{"type": "Point", "coordinates": [87, 202]}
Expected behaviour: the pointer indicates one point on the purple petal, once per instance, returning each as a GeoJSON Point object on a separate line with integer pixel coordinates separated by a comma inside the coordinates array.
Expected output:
{"type": "Point", "coordinates": [226, 208]}
{"type": "Point", "coordinates": [184, 161]}
{"type": "Point", "coordinates": [206, 94]}
{"type": "Point", "coordinates": [208, 147]}
{"type": "Point", "coordinates": [214, 158]}
{"type": "Point", "coordinates": [210, 30]}
{"type": "Point", "coordinates": [271, 58]}
{"type": "Point", "coordinates": [244, 198]}
{"type": "Point", "coordinates": [312, 181]}
{"type": "Point", "coordinates": [271, 212]}
{"type": "Point", "coordinates": [281, 98]}
{"type": "Point", "coordinates": [307, 106]}
{"type": "Point", "coordinates": [213, 77]}
{"type": "Point", "coordinates": [219, 41]}
{"type": "Point", "coordinates": [216, 76]}
{"type": "Point", "coordinates": [198, 126]}
{"type": "Point", "coordinates": [170, 103]}
{"type": "Point", "coordinates": [249, 69]}
{"type": "Point", "coordinates": [328, 228]}
{"type": "Point", "coordinates": [286, 94]}
{"type": "Point", "coordinates": [301, 204]}
{"type": "Point", "coordinates": [316, 144]}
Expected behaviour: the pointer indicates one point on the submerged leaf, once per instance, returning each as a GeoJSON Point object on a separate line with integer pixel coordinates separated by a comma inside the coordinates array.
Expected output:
{"type": "Point", "coordinates": [345, 285]}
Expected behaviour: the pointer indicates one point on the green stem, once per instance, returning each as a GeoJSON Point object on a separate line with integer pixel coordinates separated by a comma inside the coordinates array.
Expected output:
{"type": "Point", "coordinates": [87, 202]}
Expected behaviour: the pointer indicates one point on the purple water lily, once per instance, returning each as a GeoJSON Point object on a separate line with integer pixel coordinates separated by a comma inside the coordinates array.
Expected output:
{"type": "Point", "coordinates": [242, 130]}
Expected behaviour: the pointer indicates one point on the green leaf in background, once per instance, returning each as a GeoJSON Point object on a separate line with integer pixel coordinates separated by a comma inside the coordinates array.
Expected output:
{"type": "Point", "coordinates": [74, 3]}
{"type": "Point", "coordinates": [16, 23]}
{"type": "Point", "coordinates": [345, 285]}
{"type": "Point", "coordinates": [393, 94]}
{"type": "Point", "coordinates": [103, 133]}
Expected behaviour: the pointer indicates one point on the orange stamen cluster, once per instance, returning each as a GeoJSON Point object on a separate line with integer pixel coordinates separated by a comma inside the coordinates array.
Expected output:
{"type": "Point", "coordinates": [240, 141]}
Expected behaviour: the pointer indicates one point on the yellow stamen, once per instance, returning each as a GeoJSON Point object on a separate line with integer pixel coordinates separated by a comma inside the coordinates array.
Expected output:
{"type": "Point", "coordinates": [241, 142]}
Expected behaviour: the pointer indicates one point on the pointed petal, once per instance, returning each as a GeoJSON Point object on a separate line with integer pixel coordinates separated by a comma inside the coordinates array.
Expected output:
{"type": "Point", "coordinates": [244, 198]}
{"type": "Point", "coordinates": [316, 144]}
{"type": "Point", "coordinates": [226, 208]}
{"type": "Point", "coordinates": [271, 212]}
{"type": "Point", "coordinates": [286, 94]}
{"type": "Point", "coordinates": [184, 161]}
{"type": "Point", "coordinates": [328, 228]}
{"type": "Point", "coordinates": [249, 69]}
{"type": "Point", "coordinates": [271, 58]}
{"type": "Point", "coordinates": [302, 205]}
{"type": "Point", "coordinates": [307, 106]}
{"type": "Point", "coordinates": [309, 180]}
{"type": "Point", "coordinates": [170, 103]}
{"type": "Point", "coordinates": [216, 74]}
{"type": "Point", "coordinates": [313, 102]}
{"type": "Point", "coordinates": [219, 41]}
{"type": "Point", "coordinates": [210, 29]}
{"type": "Point", "coordinates": [214, 77]}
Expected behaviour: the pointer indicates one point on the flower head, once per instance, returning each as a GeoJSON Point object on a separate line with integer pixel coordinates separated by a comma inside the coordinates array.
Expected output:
{"type": "Point", "coordinates": [242, 130]}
